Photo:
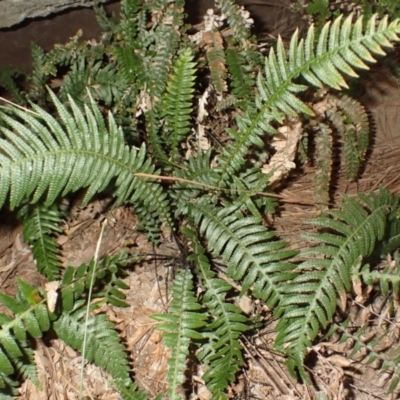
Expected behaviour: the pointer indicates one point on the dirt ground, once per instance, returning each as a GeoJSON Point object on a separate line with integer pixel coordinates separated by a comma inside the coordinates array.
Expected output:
{"type": "Point", "coordinates": [264, 375]}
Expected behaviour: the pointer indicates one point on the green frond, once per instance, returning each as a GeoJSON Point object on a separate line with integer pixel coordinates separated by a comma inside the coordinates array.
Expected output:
{"type": "Point", "coordinates": [8, 76]}
{"type": "Point", "coordinates": [348, 236]}
{"type": "Point", "coordinates": [339, 48]}
{"type": "Point", "coordinates": [103, 345]}
{"type": "Point", "coordinates": [356, 137]}
{"type": "Point", "coordinates": [178, 101]}
{"type": "Point", "coordinates": [129, 391]}
{"type": "Point", "coordinates": [37, 79]}
{"type": "Point", "coordinates": [391, 241]}
{"type": "Point", "coordinates": [128, 24]}
{"type": "Point", "coordinates": [222, 354]}
{"type": "Point", "coordinates": [101, 80]}
{"type": "Point", "coordinates": [388, 279]}
{"type": "Point", "coordinates": [39, 225]}
{"type": "Point", "coordinates": [54, 158]}
{"type": "Point", "coordinates": [164, 45]}
{"type": "Point", "coordinates": [245, 193]}
{"type": "Point", "coordinates": [130, 64]}
{"type": "Point", "coordinates": [30, 317]}
{"type": "Point", "coordinates": [154, 134]}
{"type": "Point", "coordinates": [109, 271]}
{"type": "Point", "coordinates": [252, 255]}
{"type": "Point", "coordinates": [181, 324]}
{"type": "Point", "coordinates": [197, 169]}
{"type": "Point", "coordinates": [235, 20]}
{"type": "Point", "coordinates": [106, 22]}
{"type": "Point", "coordinates": [164, 50]}
{"type": "Point", "coordinates": [242, 78]}
{"type": "Point", "coordinates": [26, 367]}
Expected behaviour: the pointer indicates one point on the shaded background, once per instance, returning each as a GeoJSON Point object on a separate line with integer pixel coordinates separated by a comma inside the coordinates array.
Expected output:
{"type": "Point", "coordinates": [270, 16]}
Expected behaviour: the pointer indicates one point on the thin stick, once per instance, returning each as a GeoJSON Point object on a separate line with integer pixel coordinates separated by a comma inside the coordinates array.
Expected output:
{"type": "Point", "coordinates": [18, 106]}
{"type": "Point", "coordinates": [96, 259]}
{"type": "Point", "coordinates": [177, 179]}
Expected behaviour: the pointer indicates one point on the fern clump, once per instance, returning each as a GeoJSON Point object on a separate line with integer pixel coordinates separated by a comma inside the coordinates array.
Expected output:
{"type": "Point", "coordinates": [129, 119]}
{"type": "Point", "coordinates": [348, 236]}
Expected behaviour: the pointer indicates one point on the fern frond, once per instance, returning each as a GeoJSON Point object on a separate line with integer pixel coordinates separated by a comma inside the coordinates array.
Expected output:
{"type": "Point", "coordinates": [177, 103]}
{"type": "Point", "coordinates": [104, 347]}
{"type": "Point", "coordinates": [245, 189]}
{"type": "Point", "coordinates": [223, 353]}
{"type": "Point", "coordinates": [339, 48]}
{"type": "Point", "coordinates": [8, 75]}
{"type": "Point", "coordinates": [234, 16]}
{"type": "Point", "coordinates": [38, 78]}
{"type": "Point", "coordinates": [109, 271]}
{"type": "Point", "coordinates": [310, 299]}
{"type": "Point", "coordinates": [106, 22]}
{"type": "Point", "coordinates": [197, 169]}
{"type": "Point", "coordinates": [30, 318]}
{"type": "Point", "coordinates": [242, 80]}
{"type": "Point", "coordinates": [247, 247]}
{"type": "Point", "coordinates": [128, 24]}
{"type": "Point", "coordinates": [39, 225]}
{"type": "Point", "coordinates": [102, 81]}
{"type": "Point", "coordinates": [182, 323]}
{"type": "Point", "coordinates": [356, 135]}
{"type": "Point", "coordinates": [388, 278]}
{"type": "Point", "coordinates": [165, 42]}
{"type": "Point", "coordinates": [154, 134]}
{"type": "Point", "coordinates": [55, 158]}
{"type": "Point", "coordinates": [392, 239]}
{"type": "Point", "coordinates": [130, 64]}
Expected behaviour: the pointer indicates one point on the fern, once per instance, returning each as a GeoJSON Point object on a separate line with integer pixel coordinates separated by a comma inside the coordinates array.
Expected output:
{"type": "Point", "coordinates": [75, 282]}
{"type": "Point", "coordinates": [8, 75]}
{"type": "Point", "coordinates": [32, 319]}
{"type": "Point", "coordinates": [243, 80]}
{"type": "Point", "coordinates": [310, 299]}
{"type": "Point", "coordinates": [40, 223]}
{"type": "Point", "coordinates": [356, 135]}
{"type": "Point", "coordinates": [159, 59]}
{"type": "Point", "coordinates": [247, 248]}
{"type": "Point", "coordinates": [340, 48]}
{"type": "Point", "coordinates": [104, 347]}
{"type": "Point", "coordinates": [56, 160]}
{"type": "Point", "coordinates": [196, 170]}
{"type": "Point", "coordinates": [177, 102]}
{"type": "Point", "coordinates": [128, 25]}
{"type": "Point", "coordinates": [246, 190]}
{"type": "Point", "coordinates": [181, 325]}
{"type": "Point", "coordinates": [143, 72]}
{"type": "Point", "coordinates": [38, 77]}
{"type": "Point", "coordinates": [222, 354]}
{"type": "Point", "coordinates": [235, 20]}
{"type": "Point", "coordinates": [388, 278]}
{"type": "Point", "coordinates": [101, 80]}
